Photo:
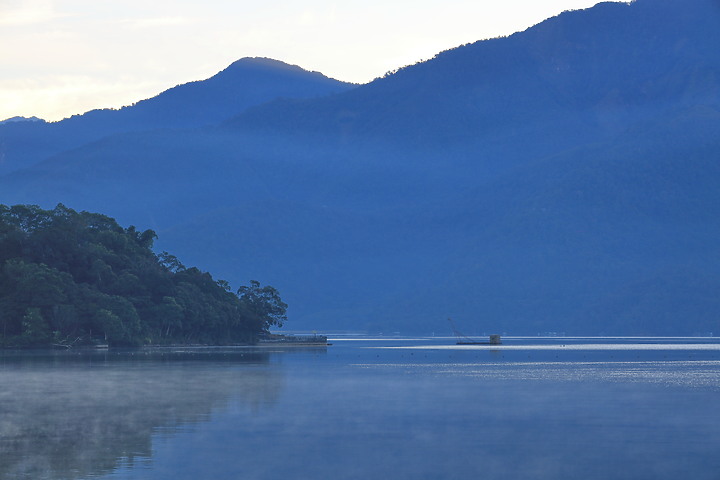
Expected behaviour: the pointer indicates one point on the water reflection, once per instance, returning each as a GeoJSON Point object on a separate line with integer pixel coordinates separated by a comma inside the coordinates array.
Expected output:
{"type": "Point", "coordinates": [450, 421]}
{"type": "Point", "coordinates": [69, 415]}
{"type": "Point", "coordinates": [355, 412]}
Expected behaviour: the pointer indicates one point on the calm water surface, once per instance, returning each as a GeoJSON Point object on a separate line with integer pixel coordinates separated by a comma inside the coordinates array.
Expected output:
{"type": "Point", "coordinates": [413, 408]}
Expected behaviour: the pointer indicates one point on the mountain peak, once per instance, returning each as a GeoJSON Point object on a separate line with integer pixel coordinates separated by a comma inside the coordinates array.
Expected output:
{"type": "Point", "coordinates": [261, 62]}
{"type": "Point", "coordinates": [21, 119]}
{"type": "Point", "coordinates": [271, 66]}
{"type": "Point", "coordinates": [246, 83]}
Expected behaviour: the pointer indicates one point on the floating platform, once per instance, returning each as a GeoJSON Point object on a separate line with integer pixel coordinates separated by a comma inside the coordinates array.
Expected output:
{"type": "Point", "coordinates": [494, 340]}
{"type": "Point", "coordinates": [298, 340]}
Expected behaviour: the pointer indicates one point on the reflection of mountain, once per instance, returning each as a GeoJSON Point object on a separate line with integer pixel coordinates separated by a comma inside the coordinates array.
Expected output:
{"type": "Point", "coordinates": [75, 416]}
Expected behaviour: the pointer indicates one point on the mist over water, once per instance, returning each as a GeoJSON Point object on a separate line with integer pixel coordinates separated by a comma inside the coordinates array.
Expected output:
{"type": "Point", "coordinates": [381, 408]}
{"type": "Point", "coordinates": [65, 415]}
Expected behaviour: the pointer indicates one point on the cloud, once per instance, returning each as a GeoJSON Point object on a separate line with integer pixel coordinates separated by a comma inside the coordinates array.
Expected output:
{"type": "Point", "coordinates": [56, 97]}
{"type": "Point", "coordinates": [26, 12]}
{"type": "Point", "coordinates": [156, 22]}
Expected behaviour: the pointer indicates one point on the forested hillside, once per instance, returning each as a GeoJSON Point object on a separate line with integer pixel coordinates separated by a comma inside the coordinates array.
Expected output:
{"type": "Point", "coordinates": [69, 278]}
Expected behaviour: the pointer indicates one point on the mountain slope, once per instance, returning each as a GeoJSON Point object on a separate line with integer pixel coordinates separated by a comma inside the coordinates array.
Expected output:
{"type": "Point", "coordinates": [608, 61]}
{"type": "Point", "coordinates": [561, 179]}
{"type": "Point", "coordinates": [245, 83]}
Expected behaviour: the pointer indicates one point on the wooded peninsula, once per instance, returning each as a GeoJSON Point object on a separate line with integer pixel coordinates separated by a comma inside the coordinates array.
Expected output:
{"type": "Point", "coordinates": [72, 278]}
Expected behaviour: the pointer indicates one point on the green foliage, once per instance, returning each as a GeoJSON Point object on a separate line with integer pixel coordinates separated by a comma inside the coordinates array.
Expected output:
{"type": "Point", "coordinates": [79, 278]}
{"type": "Point", "coordinates": [264, 304]}
{"type": "Point", "coordinates": [35, 330]}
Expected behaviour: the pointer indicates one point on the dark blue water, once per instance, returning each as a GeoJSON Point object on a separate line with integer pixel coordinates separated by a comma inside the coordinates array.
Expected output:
{"type": "Point", "coordinates": [535, 408]}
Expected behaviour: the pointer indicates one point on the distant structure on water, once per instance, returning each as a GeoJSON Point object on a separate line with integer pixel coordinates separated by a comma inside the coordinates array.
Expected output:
{"type": "Point", "coordinates": [463, 339]}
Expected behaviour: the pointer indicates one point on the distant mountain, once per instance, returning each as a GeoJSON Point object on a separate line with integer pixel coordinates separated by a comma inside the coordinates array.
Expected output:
{"type": "Point", "coordinates": [606, 63]}
{"type": "Point", "coordinates": [21, 119]}
{"type": "Point", "coordinates": [561, 179]}
{"type": "Point", "coordinates": [247, 82]}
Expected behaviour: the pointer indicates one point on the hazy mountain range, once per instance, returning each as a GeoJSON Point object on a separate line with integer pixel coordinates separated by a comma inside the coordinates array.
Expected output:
{"type": "Point", "coordinates": [564, 178]}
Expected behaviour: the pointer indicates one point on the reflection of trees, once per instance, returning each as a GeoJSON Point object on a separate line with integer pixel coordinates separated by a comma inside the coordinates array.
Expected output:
{"type": "Point", "coordinates": [71, 416]}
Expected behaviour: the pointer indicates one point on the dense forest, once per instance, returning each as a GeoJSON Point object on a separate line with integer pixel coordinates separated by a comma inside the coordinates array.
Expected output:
{"type": "Point", "coordinates": [77, 278]}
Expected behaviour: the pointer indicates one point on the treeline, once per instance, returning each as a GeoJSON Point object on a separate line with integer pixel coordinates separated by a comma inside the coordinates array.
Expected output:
{"type": "Point", "coordinates": [78, 278]}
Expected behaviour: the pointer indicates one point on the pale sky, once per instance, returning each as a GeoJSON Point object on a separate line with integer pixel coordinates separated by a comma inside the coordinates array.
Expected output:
{"type": "Point", "coordinates": [62, 57]}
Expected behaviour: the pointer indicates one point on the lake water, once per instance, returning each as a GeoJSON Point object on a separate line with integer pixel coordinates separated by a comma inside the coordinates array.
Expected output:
{"type": "Point", "coordinates": [363, 408]}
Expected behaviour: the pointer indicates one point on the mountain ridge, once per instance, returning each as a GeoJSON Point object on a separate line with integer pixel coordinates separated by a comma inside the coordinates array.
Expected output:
{"type": "Point", "coordinates": [559, 179]}
{"type": "Point", "coordinates": [244, 83]}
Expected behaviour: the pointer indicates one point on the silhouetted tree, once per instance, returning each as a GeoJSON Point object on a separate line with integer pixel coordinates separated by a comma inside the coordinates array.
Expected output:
{"type": "Point", "coordinates": [264, 303]}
